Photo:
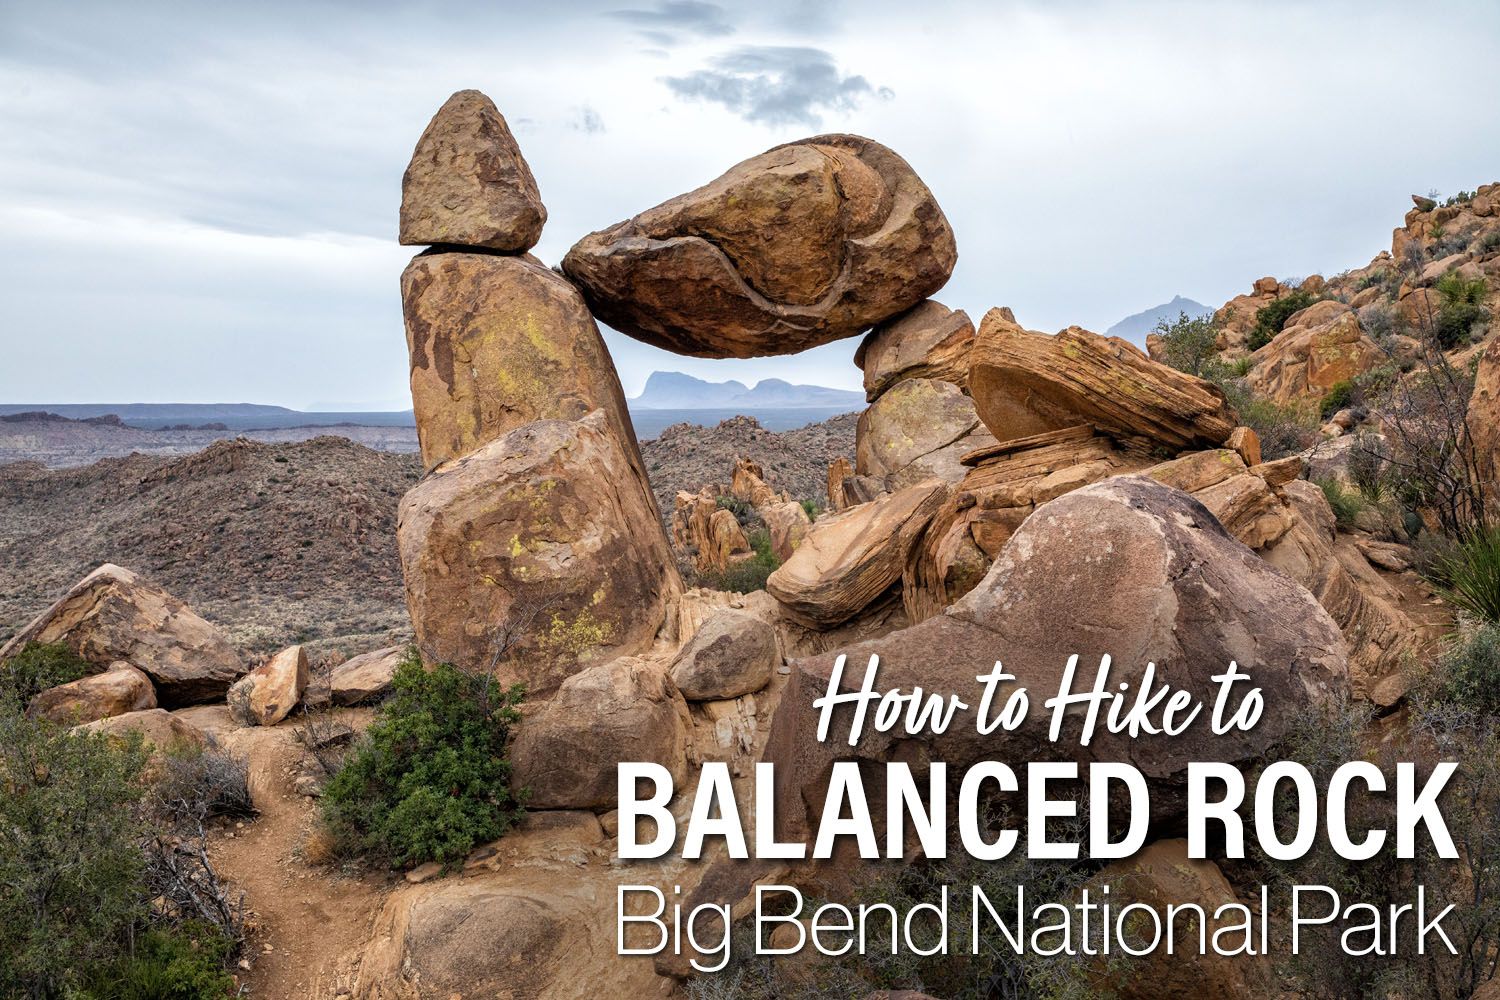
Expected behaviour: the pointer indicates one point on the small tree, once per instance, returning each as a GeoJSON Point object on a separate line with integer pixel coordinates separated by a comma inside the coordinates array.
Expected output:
{"type": "Point", "coordinates": [1189, 343]}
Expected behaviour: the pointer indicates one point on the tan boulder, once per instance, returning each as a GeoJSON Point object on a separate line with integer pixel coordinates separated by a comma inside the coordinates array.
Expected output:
{"type": "Point", "coordinates": [1026, 383]}
{"type": "Point", "coordinates": [1160, 876]}
{"type": "Point", "coordinates": [1310, 357]}
{"type": "Point", "coordinates": [118, 690]}
{"type": "Point", "coordinates": [725, 541]}
{"type": "Point", "coordinates": [159, 728]}
{"type": "Point", "coordinates": [918, 429]}
{"type": "Point", "coordinates": [807, 243]}
{"type": "Point", "coordinates": [1246, 443]}
{"type": "Point", "coordinates": [114, 615]}
{"type": "Point", "coordinates": [732, 654]}
{"type": "Point", "coordinates": [1149, 565]}
{"type": "Point", "coordinates": [267, 694]}
{"type": "Point", "coordinates": [1484, 413]}
{"type": "Point", "coordinates": [927, 341]}
{"type": "Point", "coordinates": [467, 183]}
{"type": "Point", "coordinates": [1236, 318]}
{"type": "Point", "coordinates": [788, 524]}
{"type": "Point", "coordinates": [540, 553]}
{"type": "Point", "coordinates": [495, 343]}
{"type": "Point", "coordinates": [840, 470]}
{"type": "Point", "coordinates": [566, 751]}
{"type": "Point", "coordinates": [849, 559]}
{"type": "Point", "coordinates": [362, 679]}
{"type": "Point", "coordinates": [748, 483]}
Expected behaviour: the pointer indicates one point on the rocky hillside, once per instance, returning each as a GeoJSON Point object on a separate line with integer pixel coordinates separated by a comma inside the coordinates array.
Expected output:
{"type": "Point", "coordinates": [276, 543]}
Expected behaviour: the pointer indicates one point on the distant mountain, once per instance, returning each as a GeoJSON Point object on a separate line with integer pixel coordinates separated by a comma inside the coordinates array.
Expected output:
{"type": "Point", "coordinates": [151, 411]}
{"type": "Point", "coordinates": [1134, 328]}
{"type": "Point", "coordinates": [676, 391]}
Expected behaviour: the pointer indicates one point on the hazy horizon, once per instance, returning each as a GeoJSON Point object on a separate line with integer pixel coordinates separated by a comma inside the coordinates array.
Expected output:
{"type": "Point", "coordinates": [201, 204]}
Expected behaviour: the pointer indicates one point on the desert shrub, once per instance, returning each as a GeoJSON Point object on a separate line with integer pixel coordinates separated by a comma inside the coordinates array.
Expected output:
{"type": "Point", "coordinates": [812, 509]}
{"type": "Point", "coordinates": [751, 574]}
{"type": "Point", "coordinates": [741, 510]}
{"type": "Point", "coordinates": [1488, 243]}
{"type": "Point", "coordinates": [1339, 396]}
{"type": "Point", "coordinates": [1270, 319]}
{"type": "Point", "coordinates": [1468, 672]}
{"type": "Point", "coordinates": [1369, 470]}
{"type": "Point", "coordinates": [1447, 242]}
{"type": "Point", "coordinates": [1189, 343]}
{"type": "Point", "coordinates": [1472, 573]}
{"type": "Point", "coordinates": [1283, 430]}
{"type": "Point", "coordinates": [1432, 552]}
{"type": "Point", "coordinates": [1345, 503]}
{"type": "Point", "coordinates": [1460, 309]}
{"type": "Point", "coordinates": [431, 778]}
{"type": "Point", "coordinates": [37, 667]}
{"type": "Point", "coordinates": [187, 964]}
{"type": "Point", "coordinates": [1381, 320]}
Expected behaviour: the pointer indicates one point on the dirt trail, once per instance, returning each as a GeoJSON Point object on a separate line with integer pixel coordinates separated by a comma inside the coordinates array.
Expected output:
{"type": "Point", "coordinates": [306, 920]}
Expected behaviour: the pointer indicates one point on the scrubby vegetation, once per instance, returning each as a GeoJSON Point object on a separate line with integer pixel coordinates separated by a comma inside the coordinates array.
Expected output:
{"type": "Point", "coordinates": [37, 667]}
{"type": "Point", "coordinates": [1345, 504]}
{"type": "Point", "coordinates": [749, 574]}
{"type": "Point", "coordinates": [1471, 575]}
{"type": "Point", "coordinates": [1460, 309]}
{"type": "Point", "coordinates": [430, 780]}
{"type": "Point", "coordinates": [1271, 318]}
{"type": "Point", "coordinates": [1189, 343]}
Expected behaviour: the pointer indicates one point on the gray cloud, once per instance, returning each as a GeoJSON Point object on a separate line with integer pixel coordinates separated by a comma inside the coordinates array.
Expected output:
{"type": "Point", "coordinates": [776, 85]}
{"type": "Point", "coordinates": [588, 120]}
{"type": "Point", "coordinates": [660, 26]}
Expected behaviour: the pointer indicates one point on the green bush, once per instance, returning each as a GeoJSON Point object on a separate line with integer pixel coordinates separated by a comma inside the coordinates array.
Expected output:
{"type": "Point", "coordinates": [1345, 503]}
{"type": "Point", "coordinates": [1339, 396]}
{"type": "Point", "coordinates": [1270, 319]}
{"type": "Point", "coordinates": [1189, 343]}
{"type": "Point", "coordinates": [430, 781]}
{"type": "Point", "coordinates": [1468, 672]}
{"type": "Point", "coordinates": [751, 574]}
{"type": "Point", "coordinates": [184, 964]}
{"type": "Point", "coordinates": [37, 667]}
{"type": "Point", "coordinates": [812, 509]}
{"type": "Point", "coordinates": [741, 510]}
{"type": "Point", "coordinates": [1369, 468]}
{"type": "Point", "coordinates": [1460, 309]}
{"type": "Point", "coordinates": [1283, 430]}
{"type": "Point", "coordinates": [1473, 575]}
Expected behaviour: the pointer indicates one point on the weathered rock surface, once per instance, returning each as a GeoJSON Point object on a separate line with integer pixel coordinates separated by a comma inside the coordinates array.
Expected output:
{"type": "Point", "coordinates": [918, 429]}
{"type": "Point", "coordinates": [804, 244]}
{"type": "Point", "coordinates": [118, 690]}
{"type": "Point", "coordinates": [1484, 412]}
{"type": "Point", "coordinates": [1026, 383]}
{"type": "Point", "coordinates": [840, 471]}
{"type": "Point", "coordinates": [113, 615]}
{"type": "Point", "coordinates": [1320, 346]}
{"type": "Point", "coordinates": [545, 536]}
{"type": "Point", "coordinates": [497, 342]}
{"type": "Point", "coordinates": [158, 727]}
{"type": "Point", "coordinates": [849, 559]}
{"type": "Point", "coordinates": [628, 709]}
{"type": "Point", "coordinates": [467, 183]}
{"type": "Point", "coordinates": [733, 653]}
{"type": "Point", "coordinates": [267, 694]}
{"type": "Point", "coordinates": [927, 341]}
{"type": "Point", "coordinates": [1127, 567]}
{"type": "Point", "coordinates": [362, 679]}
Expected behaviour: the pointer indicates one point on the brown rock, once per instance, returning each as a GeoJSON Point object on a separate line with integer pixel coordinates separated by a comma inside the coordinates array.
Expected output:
{"type": "Point", "coordinates": [118, 690]}
{"type": "Point", "coordinates": [839, 471]}
{"type": "Point", "coordinates": [362, 679]}
{"type": "Point", "coordinates": [113, 615]}
{"type": "Point", "coordinates": [1246, 442]}
{"type": "Point", "coordinates": [158, 727]}
{"type": "Point", "coordinates": [848, 560]}
{"type": "Point", "coordinates": [498, 342]}
{"type": "Point", "coordinates": [566, 752]}
{"type": "Point", "coordinates": [1150, 565]}
{"type": "Point", "coordinates": [467, 183]}
{"type": "Point", "coordinates": [917, 425]}
{"type": "Point", "coordinates": [267, 694]}
{"type": "Point", "coordinates": [1484, 413]}
{"type": "Point", "coordinates": [544, 536]}
{"type": "Point", "coordinates": [807, 243]}
{"type": "Point", "coordinates": [1026, 383]}
{"type": "Point", "coordinates": [927, 341]}
{"type": "Point", "coordinates": [788, 523]}
{"type": "Point", "coordinates": [732, 654]}
{"type": "Point", "coordinates": [1306, 360]}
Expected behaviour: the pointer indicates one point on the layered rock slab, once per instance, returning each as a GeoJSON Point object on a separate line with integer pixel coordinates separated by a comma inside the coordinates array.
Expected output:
{"type": "Point", "coordinates": [807, 243]}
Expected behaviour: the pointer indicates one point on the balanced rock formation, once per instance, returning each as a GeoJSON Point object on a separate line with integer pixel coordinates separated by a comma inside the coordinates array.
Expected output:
{"type": "Point", "coordinates": [467, 183]}
{"type": "Point", "coordinates": [807, 243]}
{"type": "Point", "coordinates": [1026, 383]}
{"type": "Point", "coordinates": [267, 694]}
{"type": "Point", "coordinates": [118, 690]}
{"type": "Point", "coordinates": [927, 341]}
{"type": "Point", "coordinates": [731, 654]}
{"type": "Point", "coordinates": [849, 559]}
{"type": "Point", "coordinates": [1126, 567]}
{"type": "Point", "coordinates": [113, 615]}
{"type": "Point", "coordinates": [919, 428]}
{"type": "Point", "coordinates": [566, 752]}
{"type": "Point", "coordinates": [545, 536]}
{"type": "Point", "coordinates": [497, 342]}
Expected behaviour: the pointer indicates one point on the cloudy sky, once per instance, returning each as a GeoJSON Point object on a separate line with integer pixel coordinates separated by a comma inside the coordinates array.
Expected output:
{"type": "Point", "coordinates": [199, 201]}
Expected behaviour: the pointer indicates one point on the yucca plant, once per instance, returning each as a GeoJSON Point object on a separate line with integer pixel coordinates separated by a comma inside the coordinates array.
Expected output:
{"type": "Point", "coordinates": [1473, 574]}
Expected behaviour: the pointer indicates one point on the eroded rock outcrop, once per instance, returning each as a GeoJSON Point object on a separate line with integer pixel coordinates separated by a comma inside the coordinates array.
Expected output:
{"type": "Point", "coordinates": [113, 615]}
{"type": "Point", "coordinates": [1320, 347]}
{"type": "Point", "coordinates": [807, 243]}
{"type": "Point", "coordinates": [541, 552]}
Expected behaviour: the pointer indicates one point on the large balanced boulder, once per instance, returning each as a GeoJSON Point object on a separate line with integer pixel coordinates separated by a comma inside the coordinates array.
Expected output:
{"type": "Point", "coordinates": [804, 244]}
{"type": "Point", "coordinates": [497, 342]}
{"type": "Point", "coordinates": [118, 690]}
{"type": "Point", "coordinates": [540, 553]}
{"type": "Point", "coordinates": [731, 654]}
{"type": "Point", "coordinates": [267, 694]}
{"type": "Point", "coordinates": [851, 558]}
{"type": "Point", "coordinates": [1126, 567]}
{"type": "Point", "coordinates": [566, 753]}
{"type": "Point", "coordinates": [467, 183]}
{"type": "Point", "coordinates": [927, 341]}
{"type": "Point", "coordinates": [1026, 383]}
{"type": "Point", "coordinates": [113, 615]}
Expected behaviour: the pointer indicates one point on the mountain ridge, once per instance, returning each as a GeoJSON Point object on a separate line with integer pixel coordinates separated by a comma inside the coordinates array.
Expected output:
{"type": "Point", "coordinates": [679, 391]}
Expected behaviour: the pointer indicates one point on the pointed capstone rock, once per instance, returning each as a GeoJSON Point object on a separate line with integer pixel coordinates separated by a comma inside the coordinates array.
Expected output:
{"type": "Point", "coordinates": [467, 183]}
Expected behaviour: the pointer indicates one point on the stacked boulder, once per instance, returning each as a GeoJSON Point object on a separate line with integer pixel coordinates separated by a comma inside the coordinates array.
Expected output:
{"type": "Point", "coordinates": [533, 545]}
